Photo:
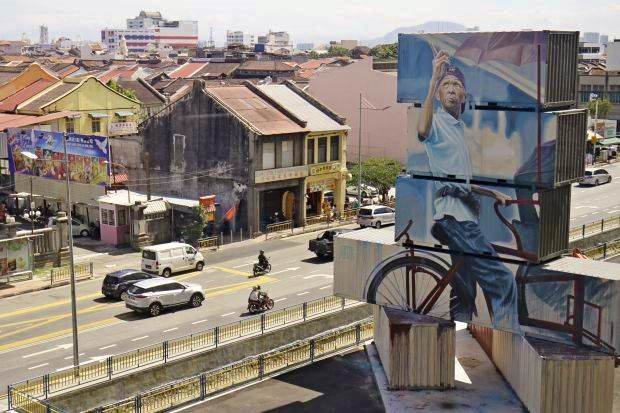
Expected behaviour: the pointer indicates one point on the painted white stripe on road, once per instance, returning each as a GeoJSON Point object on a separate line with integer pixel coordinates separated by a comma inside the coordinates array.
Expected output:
{"type": "Point", "coordinates": [199, 321]}
{"type": "Point", "coordinates": [171, 329]}
{"type": "Point", "coordinates": [227, 314]}
{"type": "Point", "coordinates": [110, 346]}
{"type": "Point", "coordinates": [304, 293]}
{"type": "Point", "coordinates": [279, 299]}
{"type": "Point", "coordinates": [70, 357]}
{"type": "Point", "coordinates": [38, 366]}
{"type": "Point", "coordinates": [327, 286]}
{"type": "Point", "coordinates": [243, 265]}
{"type": "Point", "coordinates": [139, 338]}
{"type": "Point", "coordinates": [613, 212]}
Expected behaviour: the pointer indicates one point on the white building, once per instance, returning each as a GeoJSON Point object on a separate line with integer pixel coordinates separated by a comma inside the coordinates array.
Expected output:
{"type": "Point", "coordinates": [591, 37]}
{"type": "Point", "coordinates": [43, 34]}
{"type": "Point", "coordinates": [278, 42]}
{"type": "Point", "coordinates": [150, 30]}
{"type": "Point", "coordinates": [613, 56]}
{"type": "Point", "coordinates": [304, 47]}
{"type": "Point", "coordinates": [239, 38]}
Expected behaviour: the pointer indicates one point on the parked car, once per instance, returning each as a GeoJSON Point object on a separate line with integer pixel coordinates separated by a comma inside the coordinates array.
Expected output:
{"type": "Point", "coordinates": [116, 284]}
{"type": "Point", "coordinates": [79, 228]}
{"type": "Point", "coordinates": [323, 245]}
{"type": "Point", "coordinates": [165, 259]}
{"type": "Point", "coordinates": [375, 216]}
{"type": "Point", "coordinates": [154, 295]}
{"type": "Point", "coordinates": [594, 176]}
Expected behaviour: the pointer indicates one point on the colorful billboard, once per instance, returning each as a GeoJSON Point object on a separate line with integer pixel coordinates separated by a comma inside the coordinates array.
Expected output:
{"type": "Point", "coordinates": [488, 220]}
{"type": "Point", "coordinates": [15, 256]}
{"type": "Point", "coordinates": [497, 68]}
{"type": "Point", "coordinates": [521, 298]}
{"type": "Point", "coordinates": [495, 145]}
{"type": "Point", "coordinates": [87, 155]}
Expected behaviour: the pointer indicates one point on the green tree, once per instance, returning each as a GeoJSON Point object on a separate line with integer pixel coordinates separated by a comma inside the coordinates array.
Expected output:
{"type": "Point", "coordinates": [336, 51]}
{"type": "Point", "coordinates": [193, 231]}
{"type": "Point", "coordinates": [114, 85]}
{"type": "Point", "coordinates": [378, 172]}
{"type": "Point", "coordinates": [313, 54]}
{"type": "Point", "coordinates": [604, 106]}
{"type": "Point", "coordinates": [385, 51]}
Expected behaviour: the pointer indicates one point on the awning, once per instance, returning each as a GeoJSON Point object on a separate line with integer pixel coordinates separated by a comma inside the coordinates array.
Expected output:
{"type": "Point", "coordinates": [155, 207]}
{"type": "Point", "coordinates": [98, 115]}
{"type": "Point", "coordinates": [610, 141]}
{"type": "Point", "coordinates": [124, 113]}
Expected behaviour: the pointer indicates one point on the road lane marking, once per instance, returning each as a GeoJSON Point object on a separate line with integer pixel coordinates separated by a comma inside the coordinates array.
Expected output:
{"type": "Point", "coordinates": [171, 329]}
{"type": "Point", "coordinates": [215, 291]}
{"type": "Point", "coordinates": [243, 265]}
{"type": "Point", "coordinates": [327, 286]}
{"type": "Point", "coordinates": [587, 206]}
{"type": "Point", "coordinates": [49, 350]}
{"type": "Point", "coordinates": [105, 347]}
{"type": "Point", "coordinates": [70, 357]}
{"type": "Point", "coordinates": [279, 299]}
{"type": "Point", "coordinates": [38, 366]}
{"type": "Point", "coordinates": [139, 338]}
{"type": "Point", "coordinates": [233, 271]}
{"type": "Point", "coordinates": [304, 293]}
{"type": "Point", "coordinates": [614, 211]}
{"type": "Point", "coordinates": [319, 276]}
{"type": "Point", "coordinates": [56, 303]}
{"type": "Point", "coordinates": [59, 333]}
{"type": "Point", "coordinates": [227, 314]}
{"type": "Point", "coordinates": [285, 270]}
{"type": "Point", "coordinates": [199, 321]}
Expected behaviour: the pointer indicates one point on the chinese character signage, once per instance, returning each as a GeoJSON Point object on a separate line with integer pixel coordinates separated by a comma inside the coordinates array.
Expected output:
{"type": "Point", "coordinates": [122, 128]}
{"type": "Point", "coordinates": [87, 155]}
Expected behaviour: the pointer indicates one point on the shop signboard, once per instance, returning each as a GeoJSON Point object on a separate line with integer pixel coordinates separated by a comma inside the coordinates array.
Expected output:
{"type": "Point", "coordinates": [122, 128]}
{"type": "Point", "coordinates": [322, 185]}
{"type": "Point", "coordinates": [280, 174]}
{"type": "Point", "coordinates": [324, 168]}
{"type": "Point", "coordinates": [88, 155]}
{"type": "Point", "coordinates": [521, 298]}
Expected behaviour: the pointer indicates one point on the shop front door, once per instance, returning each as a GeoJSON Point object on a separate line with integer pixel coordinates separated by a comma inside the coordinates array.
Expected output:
{"type": "Point", "coordinates": [288, 205]}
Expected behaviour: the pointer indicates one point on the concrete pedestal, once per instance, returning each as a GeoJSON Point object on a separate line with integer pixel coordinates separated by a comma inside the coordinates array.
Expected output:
{"type": "Point", "coordinates": [551, 377]}
{"type": "Point", "coordinates": [417, 352]}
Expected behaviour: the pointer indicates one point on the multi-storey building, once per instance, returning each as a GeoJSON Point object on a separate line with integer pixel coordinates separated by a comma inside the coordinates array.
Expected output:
{"type": "Point", "coordinates": [239, 38]}
{"type": "Point", "coordinates": [602, 80]}
{"type": "Point", "coordinates": [151, 30]}
{"type": "Point", "coordinates": [277, 42]}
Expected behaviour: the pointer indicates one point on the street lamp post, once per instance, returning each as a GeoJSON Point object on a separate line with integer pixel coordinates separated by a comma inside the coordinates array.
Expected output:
{"type": "Point", "coordinates": [31, 214]}
{"type": "Point", "coordinates": [594, 96]}
{"type": "Point", "coordinates": [74, 325]}
{"type": "Point", "coordinates": [359, 146]}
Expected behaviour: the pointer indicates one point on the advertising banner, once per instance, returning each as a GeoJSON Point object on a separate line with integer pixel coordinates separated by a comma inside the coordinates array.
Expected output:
{"type": "Point", "coordinates": [535, 299]}
{"type": "Point", "coordinates": [14, 256]}
{"type": "Point", "coordinates": [484, 145]}
{"type": "Point", "coordinates": [87, 155]}
{"type": "Point", "coordinates": [477, 68]}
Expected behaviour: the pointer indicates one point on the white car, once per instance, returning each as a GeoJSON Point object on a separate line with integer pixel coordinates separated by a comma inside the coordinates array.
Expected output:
{"type": "Point", "coordinates": [593, 176]}
{"type": "Point", "coordinates": [375, 216]}
{"type": "Point", "coordinates": [165, 259]}
{"type": "Point", "coordinates": [79, 228]}
{"type": "Point", "coordinates": [152, 296]}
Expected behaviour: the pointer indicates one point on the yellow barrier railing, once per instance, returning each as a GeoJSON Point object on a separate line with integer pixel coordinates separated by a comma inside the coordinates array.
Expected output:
{"type": "Point", "coordinates": [205, 243]}
{"type": "Point", "coordinates": [63, 274]}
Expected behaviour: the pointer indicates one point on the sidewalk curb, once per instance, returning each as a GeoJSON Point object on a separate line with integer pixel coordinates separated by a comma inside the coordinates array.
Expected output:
{"type": "Point", "coordinates": [43, 287]}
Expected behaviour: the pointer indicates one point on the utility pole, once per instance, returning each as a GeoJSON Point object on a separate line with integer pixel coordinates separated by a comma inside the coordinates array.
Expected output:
{"type": "Point", "coordinates": [147, 172]}
{"type": "Point", "coordinates": [74, 325]}
{"type": "Point", "coordinates": [359, 158]}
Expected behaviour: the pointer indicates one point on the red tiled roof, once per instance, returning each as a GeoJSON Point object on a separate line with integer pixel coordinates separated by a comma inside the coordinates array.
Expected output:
{"type": "Point", "coordinates": [254, 110]}
{"type": "Point", "coordinates": [10, 103]}
{"type": "Point", "coordinates": [123, 72]}
{"type": "Point", "coordinates": [66, 71]}
{"type": "Point", "coordinates": [312, 64]}
{"type": "Point", "coordinates": [10, 120]}
{"type": "Point", "coordinates": [187, 70]}
{"type": "Point", "coordinates": [266, 65]}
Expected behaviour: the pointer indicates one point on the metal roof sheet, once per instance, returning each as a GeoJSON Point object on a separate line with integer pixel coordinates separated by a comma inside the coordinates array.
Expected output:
{"type": "Point", "coordinates": [302, 109]}
{"type": "Point", "coordinates": [155, 207]}
{"type": "Point", "coordinates": [11, 102]}
{"type": "Point", "coordinates": [590, 268]}
{"type": "Point", "coordinates": [266, 119]}
{"type": "Point", "coordinates": [50, 94]}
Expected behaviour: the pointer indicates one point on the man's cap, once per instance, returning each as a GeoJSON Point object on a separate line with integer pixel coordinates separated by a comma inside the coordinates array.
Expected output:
{"type": "Point", "coordinates": [454, 71]}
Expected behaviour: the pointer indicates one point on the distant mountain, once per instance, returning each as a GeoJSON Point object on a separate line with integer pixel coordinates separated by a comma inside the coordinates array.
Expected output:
{"type": "Point", "coordinates": [428, 27]}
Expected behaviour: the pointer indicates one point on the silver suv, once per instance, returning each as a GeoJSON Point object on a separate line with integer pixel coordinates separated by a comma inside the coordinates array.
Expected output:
{"type": "Point", "coordinates": [152, 296]}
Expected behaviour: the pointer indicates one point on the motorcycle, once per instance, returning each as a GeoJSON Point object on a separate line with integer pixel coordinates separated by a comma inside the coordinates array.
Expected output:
{"type": "Point", "coordinates": [263, 304]}
{"type": "Point", "coordinates": [260, 270]}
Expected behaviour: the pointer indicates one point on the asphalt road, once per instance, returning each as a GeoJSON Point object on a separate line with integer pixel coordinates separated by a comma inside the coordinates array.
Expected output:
{"type": "Point", "coordinates": [35, 329]}
{"type": "Point", "coordinates": [593, 203]}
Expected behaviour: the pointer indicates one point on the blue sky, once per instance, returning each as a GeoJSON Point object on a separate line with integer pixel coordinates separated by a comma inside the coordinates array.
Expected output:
{"type": "Point", "coordinates": [317, 21]}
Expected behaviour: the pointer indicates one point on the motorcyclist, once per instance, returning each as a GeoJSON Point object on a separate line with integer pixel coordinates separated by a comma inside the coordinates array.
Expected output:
{"type": "Point", "coordinates": [262, 259]}
{"type": "Point", "coordinates": [257, 294]}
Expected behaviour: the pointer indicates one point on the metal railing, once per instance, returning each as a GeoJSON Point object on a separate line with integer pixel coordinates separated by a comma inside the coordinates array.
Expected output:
{"type": "Point", "coordinates": [22, 402]}
{"type": "Point", "coordinates": [280, 226]}
{"type": "Point", "coordinates": [592, 228]}
{"type": "Point", "coordinates": [317, 219]}
{"type": "Point", "coordinates": [63, 274]}
{"type": "Point", "coordinates": [211, 242]}
{"type": "Point", "coordinates": [248, 370]}
{"type": "Point", "coordinates": [603, 251]}
{"type": "Point", "coordinates": [48, 384]}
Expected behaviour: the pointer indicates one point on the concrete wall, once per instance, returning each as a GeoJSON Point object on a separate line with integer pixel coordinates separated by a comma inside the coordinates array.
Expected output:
{"type": "Point", "coordinates": [594, 240]}
{"type": "Point", "coordinates": [127, 386]}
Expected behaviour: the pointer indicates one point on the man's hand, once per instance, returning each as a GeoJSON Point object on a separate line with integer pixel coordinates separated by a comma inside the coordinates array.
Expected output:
{"type": "Point", "coordinates": [501, 197]}
{"type": "Point", "coordinates": [439, 61]}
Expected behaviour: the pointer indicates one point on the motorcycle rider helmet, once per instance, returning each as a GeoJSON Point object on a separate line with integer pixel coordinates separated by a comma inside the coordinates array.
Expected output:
{"type": "Point", "coordinates": [262, 252]}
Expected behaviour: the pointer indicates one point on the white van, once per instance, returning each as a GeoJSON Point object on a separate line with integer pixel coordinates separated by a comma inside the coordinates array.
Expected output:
{"type": "Point", "coordinates": [164, 259]}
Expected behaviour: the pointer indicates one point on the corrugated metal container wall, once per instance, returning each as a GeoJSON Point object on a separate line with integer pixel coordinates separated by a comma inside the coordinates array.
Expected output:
{"type": "Point", "coordinates": [554, 222]}
{"type": "Point", "coordinates": [562, 55]}
{"type": "Point", "coordinates": [484, 336]}
{"type": "Point", "coordinates": [382, 338]}
{"type": "Point", "coordinates": [4, 146]}
{"type": "Point", "coordinates": [550, 377]}
{"type": "Point", "coordinates": [570, 146]}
